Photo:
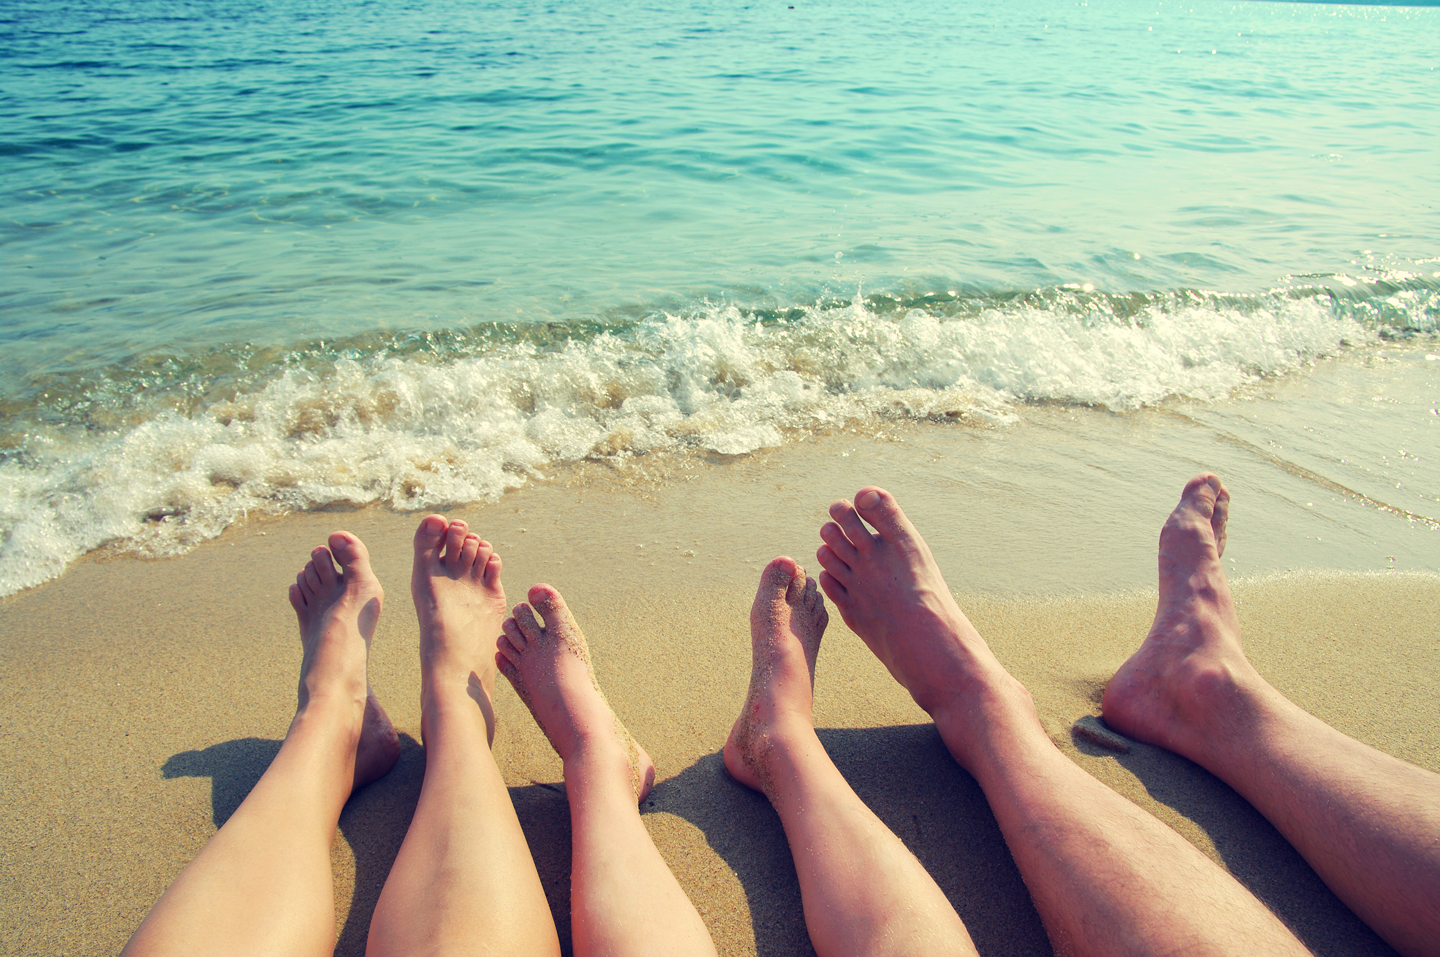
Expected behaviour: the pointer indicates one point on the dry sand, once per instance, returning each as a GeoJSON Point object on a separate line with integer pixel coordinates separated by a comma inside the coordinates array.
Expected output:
{"type": "Point", "coordinates": [142, 699]}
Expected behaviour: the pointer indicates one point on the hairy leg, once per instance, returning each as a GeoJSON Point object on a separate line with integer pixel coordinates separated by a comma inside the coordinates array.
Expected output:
{"type": "Point", "coordinates": [1368, 823]}
{"type": "Point", "coordinates": [262, 885]}
{"type": "Point", "coordinates": [464, 881]}
{"type": "Point", "coordinates": [1107, 878]}
{"type": "Point", "coordinates": [623, 898]}
{"type": "Point", "coordinates": [863, 891]}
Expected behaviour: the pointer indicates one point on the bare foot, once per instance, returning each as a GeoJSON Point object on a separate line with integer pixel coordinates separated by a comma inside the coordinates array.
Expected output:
{"type": "Point", "coordinates": [549, 666]}
{"type": "Point", "coordinates": [787, 621]}
{"type": "Point", "coordinates": [891, 593]}
{"type": "Point", "coordinates": [337, 610]}
{"type": "Point", "coordinates": [455, 582]}
{"type": "Point", "coordinates": [1192, 656]}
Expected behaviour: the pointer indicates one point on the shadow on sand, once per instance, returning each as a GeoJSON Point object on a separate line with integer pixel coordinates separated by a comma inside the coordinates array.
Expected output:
{"type": "Point", "coordinates": [904, 774]}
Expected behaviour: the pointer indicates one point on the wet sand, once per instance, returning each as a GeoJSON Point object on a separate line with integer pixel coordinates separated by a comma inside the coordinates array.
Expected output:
{"type": "Point", "coordinates": [141, 699]}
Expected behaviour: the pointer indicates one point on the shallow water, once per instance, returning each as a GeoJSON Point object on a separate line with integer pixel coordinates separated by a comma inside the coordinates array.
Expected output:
{"type": "Point", "coordinates": [296, 255]}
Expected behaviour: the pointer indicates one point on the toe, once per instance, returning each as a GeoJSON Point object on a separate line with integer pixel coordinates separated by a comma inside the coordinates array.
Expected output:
{"type": "Point", "coordinates": [507, 645]}
{"type": "Point", "coordinates": [491, 575]}
{"type": "Point", "coordinates": [517, 638]}
{"type": "Point", "coordinates": [831, 563]}
{"type": "Point", "coordinates": [778, 576]}
{"type": "Point", "coordinates": [525, 623]}
{"type": "Point", "coordinates": [312, 577]}
{"type": "Point", "coordinates": [835, 591]}
{"type": "Point", "coordinates": [469, 551]}
{"type": "Point", "coordinates": [850, 524]}
{"type": "Point", "coordinates": [324, 566]}
{"type": "Point", "coordinates": [547, 601]}
{"type": "Point", "coordinates": [351, 553]}
{"type": "Point", "coordinates": [879, 508]}
{"type": "Point", "coordinates": [297, 598]}
{"type": "Point", "coordinates": [429, 537]}
{"type": "Point", "coordinates": [831, 535]}
{"type": "Point", "coordinates": [454, 542]}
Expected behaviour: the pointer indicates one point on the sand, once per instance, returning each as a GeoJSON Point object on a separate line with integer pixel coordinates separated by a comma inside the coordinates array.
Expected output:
{"type": "Point", "coordinates": [141, 699]}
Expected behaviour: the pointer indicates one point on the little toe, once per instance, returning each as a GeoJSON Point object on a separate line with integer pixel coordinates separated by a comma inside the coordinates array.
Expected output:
{"type": "Point", "coordinates": [297, 598]}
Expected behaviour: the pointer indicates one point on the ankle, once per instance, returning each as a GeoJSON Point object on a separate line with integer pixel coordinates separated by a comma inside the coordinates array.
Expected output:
{"type": "Point", "coordinates": [990, 724]}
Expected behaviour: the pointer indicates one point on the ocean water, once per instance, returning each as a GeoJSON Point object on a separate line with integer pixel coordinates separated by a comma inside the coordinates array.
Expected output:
{"type": "Point", "coordinates": [295, 254]}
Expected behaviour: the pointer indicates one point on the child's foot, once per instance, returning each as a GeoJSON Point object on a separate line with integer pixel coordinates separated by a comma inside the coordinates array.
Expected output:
{"type": "Point", "coordinates": [787, 621]}
{"type": "Point", "coordinates": [455, 582]}
{"type": "Point", "coordinates": [549, 666]}
{"type": "Point", "coordinates": [337, 611]}
{"type": "Point", "coordinates": [1192, 657]}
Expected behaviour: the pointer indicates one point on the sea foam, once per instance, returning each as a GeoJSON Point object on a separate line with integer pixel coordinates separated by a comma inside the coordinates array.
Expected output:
{"type": "Point", "coordinates": [425, 429]}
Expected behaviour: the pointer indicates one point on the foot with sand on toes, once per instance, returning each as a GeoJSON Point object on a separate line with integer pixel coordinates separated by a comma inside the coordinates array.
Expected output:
{"type": "Point", "coordinates": [263, 883]}
{"type": "Point", "coordinates": [1105, 876]}
{"type": "Point", "coordinates": [862, 890]}
{"type": "Point", "coordinates": [623, 898]}
{"type": "Point", "coordinates": [1367, 822]}
{"type": "Point", "coordinates": [337, 611]}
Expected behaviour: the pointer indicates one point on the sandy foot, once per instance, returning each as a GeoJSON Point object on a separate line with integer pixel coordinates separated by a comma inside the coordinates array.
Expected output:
{"type": "Point", "coordinates": [455, 583]}
{"type": "Point", "coordinates": [1192, 657]}
{"type": "Point", "coordinates": [549, 666]}
{"type": "Point", "coordinates": [337, 610]}
{"type": "Point", "coordinates": [787, 621]}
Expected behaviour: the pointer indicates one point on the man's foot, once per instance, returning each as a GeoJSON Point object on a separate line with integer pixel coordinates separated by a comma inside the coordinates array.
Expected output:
{"type": "Point", "coordinates": [1191, 660]}
{"type": "Point", "coordinates": [891, 593]}
{"type": "Point", "coordinates": [337, 610]}
{"type": "Point", "coordinates": [549, 666]}
{"type": "Point", "coordinates": [787, 621]}
{"type": "Point", "coordinates": [455, 582]}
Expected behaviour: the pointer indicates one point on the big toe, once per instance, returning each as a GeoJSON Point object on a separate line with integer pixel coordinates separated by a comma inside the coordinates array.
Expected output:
{"type": "Point", "coordinates": [879, 508]}
{"type": "Point", "coordinates": [547, 601]}
{"type": "Point", "coordinates": [429, 537]}
{"type": "Point", "coordinates": [352, 555]}
{"type": "Point", "coordinates": [779, 576]}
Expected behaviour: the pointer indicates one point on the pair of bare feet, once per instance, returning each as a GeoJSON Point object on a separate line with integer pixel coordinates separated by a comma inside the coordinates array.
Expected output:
{"type": "Point", "coordinates": [888, 589]}
{"type": "Point", "coordinates": [464, 618]}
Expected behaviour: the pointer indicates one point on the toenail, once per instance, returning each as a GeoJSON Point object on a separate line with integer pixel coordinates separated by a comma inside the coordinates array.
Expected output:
{"type": "Point", "coordinates": [867, 499]}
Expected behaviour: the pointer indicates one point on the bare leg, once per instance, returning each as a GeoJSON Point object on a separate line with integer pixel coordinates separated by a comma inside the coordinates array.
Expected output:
{"type": "Point", "coordinates": [464, 881]}
{"type": "Point", "coordinates": [623, 899]}
{"type": "Point", "coordinates": [1107, 878]}
{"type": "Point", "coordinates": [1367, 822]}
{"type": "Point", "coordinates": [863, 891]}
{"type": "Point", "coordinates": [263, 884]}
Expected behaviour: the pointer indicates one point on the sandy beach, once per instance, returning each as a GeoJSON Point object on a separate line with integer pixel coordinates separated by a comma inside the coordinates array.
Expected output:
{"type": "Point", "coordinates": [141, 699]}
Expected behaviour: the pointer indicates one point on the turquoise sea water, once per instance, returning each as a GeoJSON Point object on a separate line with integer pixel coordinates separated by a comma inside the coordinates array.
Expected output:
{"type": "Point", "coordinates": [282, 255]}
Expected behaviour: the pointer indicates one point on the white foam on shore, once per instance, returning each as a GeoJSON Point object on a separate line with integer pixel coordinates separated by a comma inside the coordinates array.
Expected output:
{"type": "Point", "coordinates": [421, 431]}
